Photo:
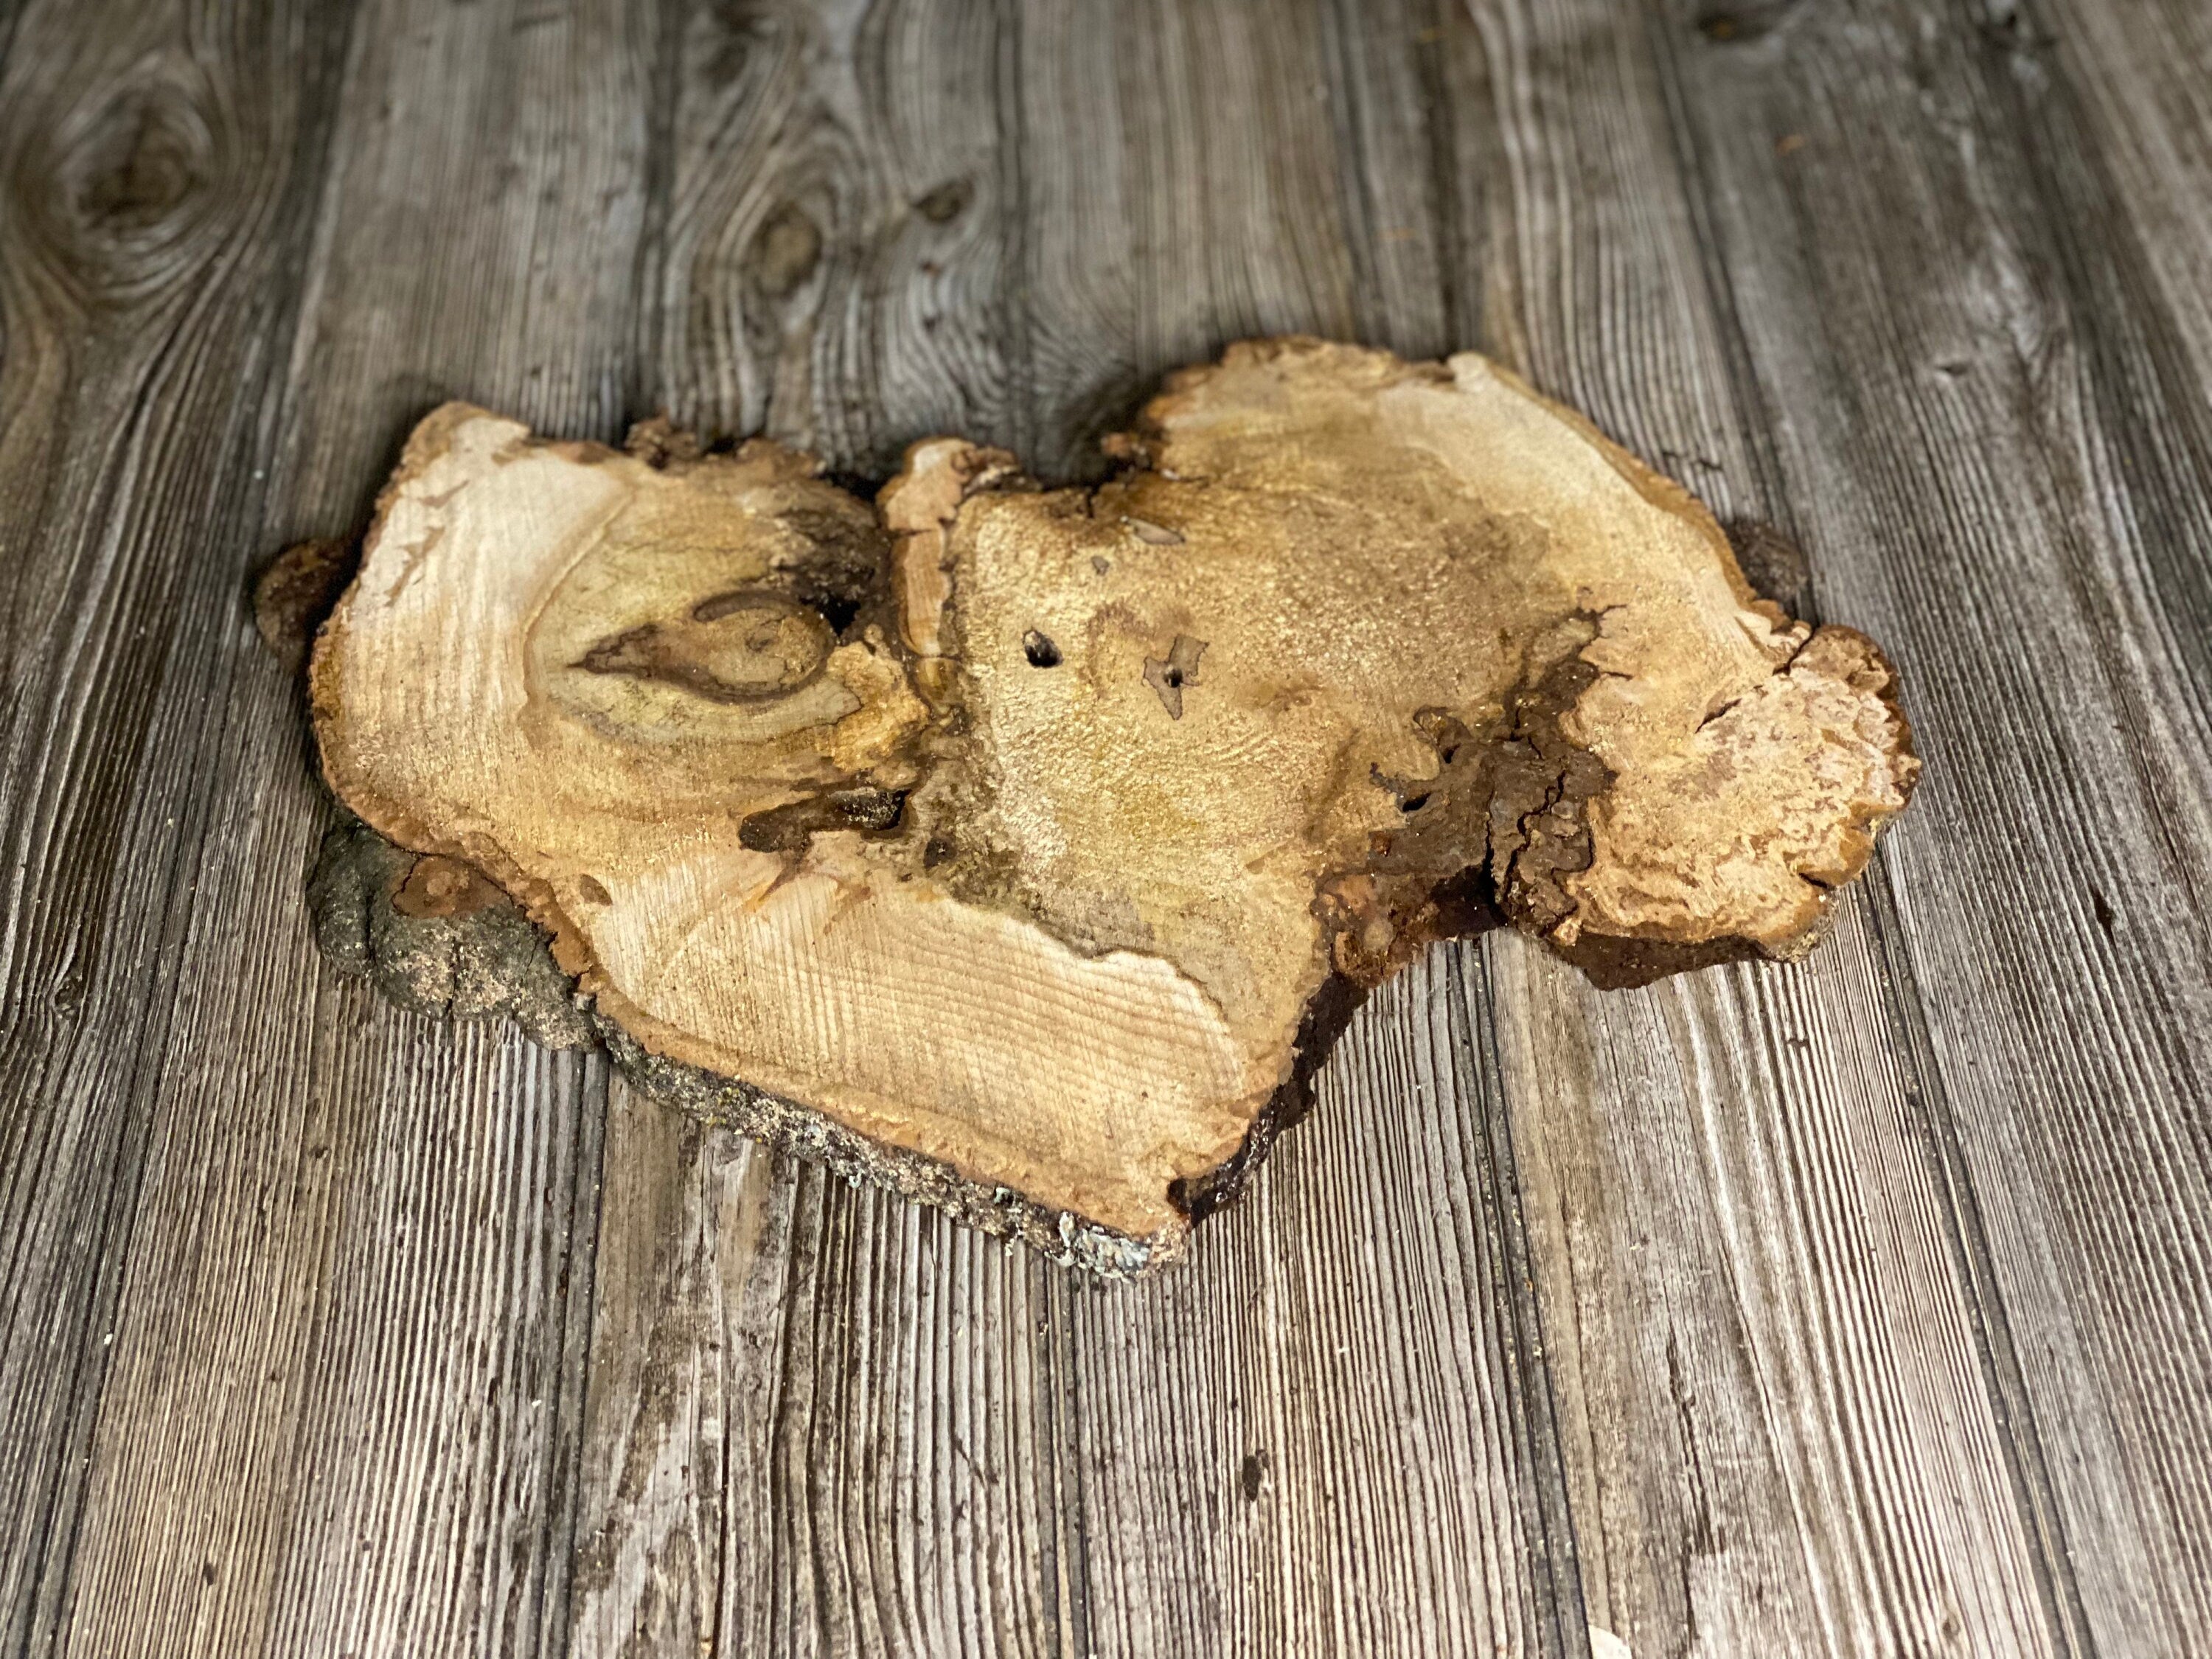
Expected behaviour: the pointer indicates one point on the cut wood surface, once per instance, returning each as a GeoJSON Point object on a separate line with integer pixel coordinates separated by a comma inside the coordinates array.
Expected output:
{"type": "Point", "coordinates": [1853, 1306]}
{"type": "Point", "coordinates": [1359, 655]}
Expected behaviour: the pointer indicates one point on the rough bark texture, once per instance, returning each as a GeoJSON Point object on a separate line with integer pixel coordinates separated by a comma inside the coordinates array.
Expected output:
{"type": "Point", "coordinates": [1009, 844]}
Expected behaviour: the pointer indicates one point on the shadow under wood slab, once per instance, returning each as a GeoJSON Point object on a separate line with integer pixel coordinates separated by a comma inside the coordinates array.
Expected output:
{"type": "Point", "coordinates": [1012, 845]}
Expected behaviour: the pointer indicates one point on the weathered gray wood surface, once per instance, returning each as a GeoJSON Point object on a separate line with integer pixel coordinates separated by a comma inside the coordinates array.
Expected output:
{"type": "Point", "coordinates": [1855, 1308]}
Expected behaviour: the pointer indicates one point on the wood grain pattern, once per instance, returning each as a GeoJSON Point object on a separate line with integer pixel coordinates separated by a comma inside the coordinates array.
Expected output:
{"type": "Point", "coordinates": [1858, 1307]}
{"type": "Point", "coordinates": [1684, 1309]}
{"type": "Point", "coordinates": [1991, 412]}
{"type": "Point", "coordinates": [831, 265]}
{"type": "Point", "coordinates": [1345, 1401]}
{"type": "Point", "coordinates": [436, 1493]}
{"type": "Point", "coordinates": [1178, 1435]}
{"type": "Point", "coordinates": [159, 166]}
{"type": "Point", "coordinates": [340, 1401]}
{"type": "Point", "coordinates": [821, 1421]}
{"type": "Point", "coordinates": [877, 1393]}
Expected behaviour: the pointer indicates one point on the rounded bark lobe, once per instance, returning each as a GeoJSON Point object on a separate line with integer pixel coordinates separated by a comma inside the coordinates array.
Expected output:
{"type": "Point", "coordinates": [1045, 836]}
{"type": "Point", "coordinates": [295, 591]}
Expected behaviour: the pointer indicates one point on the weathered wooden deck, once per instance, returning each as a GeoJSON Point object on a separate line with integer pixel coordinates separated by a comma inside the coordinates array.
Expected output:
{"type": "Point", "coordinates": [1855, 1308]}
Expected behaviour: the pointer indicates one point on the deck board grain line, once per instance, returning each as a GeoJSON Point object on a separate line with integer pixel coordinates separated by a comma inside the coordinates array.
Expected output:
{"type": "Point", "coordinates": [1014, 214]}
{"type": "Point", "coordinates": [158, 166]}
{"type": "Point", "coordinates": [1399, 246]}
{"type": "Point", "coordinates": [1903, 997]}
{"type": "Point", "coordinates": [1981, 429]}
{"type": "Point", "coordinates": [1336, 1408]}
{"type": "Point", "coordinates": [1082, 297]}
{"type": "Point", "coordinates": [2027, 1451]}
{"type": "Point", "coordinates": [875, 1389]}
{"type": "Point", "coordinates": [577, 1285]}
{"type": "Point", "coordinates": [1470, 1006]}
{"type": "Point", "coordinates": [335, 1416]}
{"type": "Point", "coordinates": [647, 392]}
{"type": "Point", "coordinates": [646, 1568]}
{"type": "Point", "coordinates": [2134, 79]}
{"type": "Point", "coordinates": [833, 268]}
{"type": "Point", "coordinates": [1802, 1525]}
{"type": "Point", "coordinates": [1073, 1627]}
{"type": "Point", "coordinates": [1214, 188]}
{"type": "Point", "coordinates": [2150, 435]}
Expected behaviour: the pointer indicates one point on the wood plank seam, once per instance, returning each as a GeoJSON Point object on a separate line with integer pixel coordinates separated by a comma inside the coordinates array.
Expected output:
{"type": "Point", "coordinates": [649, 390]}
{"type": "Point", "coordinates": [1071, 1552]}
{"type": "Point", "coordinates": [1471, 1012]}
{"type": "Point", "coordinates": [1010, 117]}
{"type": "Point", "coordinates": [1460, 311]}
{"type": "Point", "coordinates": [567, 1418]}
{"type": "Point", "coordinates": [2026, 1465]}
{"type": "Point", "coordinates": [512, 1478]}
{"type": "Point", "coordinates": [2126, 338]}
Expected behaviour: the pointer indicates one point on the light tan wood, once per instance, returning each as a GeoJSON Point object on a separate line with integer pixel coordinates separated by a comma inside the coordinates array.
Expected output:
{"type": "Point", "coordinates": [1037, 868]}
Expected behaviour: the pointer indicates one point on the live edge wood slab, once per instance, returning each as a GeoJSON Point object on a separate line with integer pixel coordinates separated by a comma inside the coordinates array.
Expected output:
{"type": "Point", "coordinates": [1021, 848]}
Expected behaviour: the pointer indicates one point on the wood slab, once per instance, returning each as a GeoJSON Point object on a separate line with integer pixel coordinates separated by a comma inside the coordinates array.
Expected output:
{"type": "Point", "coordinates": [1012, 849]}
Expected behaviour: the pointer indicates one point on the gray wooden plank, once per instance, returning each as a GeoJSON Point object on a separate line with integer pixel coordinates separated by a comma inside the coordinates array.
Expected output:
{"type": "Point", "coordinates": [339, 1415]}
{"type": "Point", "coordinates": [1778, 1432]}
{"type": "Point", "coordinates": [821, 1421]}
{"type": "Point", "coordinates": [1784, 1223]}
{"type": "Point", "coordinates": [1779, 1435]}
{"type": "Point", "coordinates": [158, 164]}
{"type": "Point", "coordinates": [1183, 190]}
{"type": "Point", "coordinates": [2112, 125]}
{"type": "Point", "coordinates": [915, 1443]}
{"type": "Point", "coordinates": [2139, 78]}
{"type": "Point", "coordinates": [831, 268]}
{"type": "Point", "coordinates": [1335, 1394]}
{"type": "Point", "coordinates": [1330, 1431]}
{"type": "Point", "coordinates": [1995, 432]}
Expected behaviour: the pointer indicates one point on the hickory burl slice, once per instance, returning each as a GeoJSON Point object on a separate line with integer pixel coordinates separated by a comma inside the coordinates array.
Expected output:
{"type": "Point", "coordinates": [1018, 834]}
